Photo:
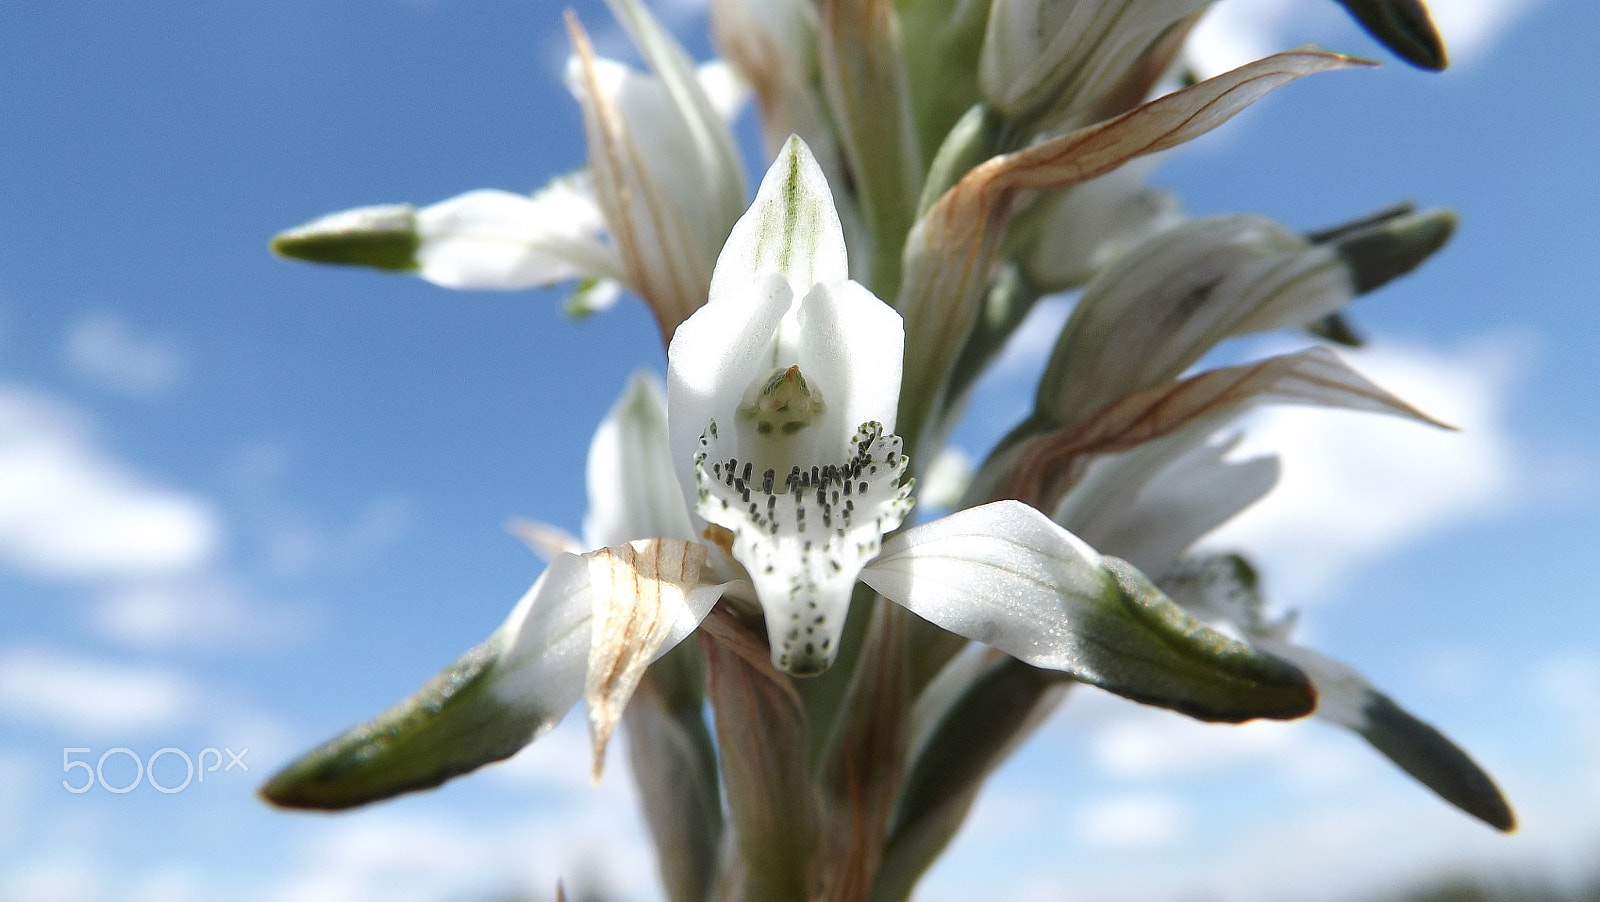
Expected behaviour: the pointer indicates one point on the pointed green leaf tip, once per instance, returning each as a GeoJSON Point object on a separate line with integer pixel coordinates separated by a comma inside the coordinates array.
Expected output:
{"type": "Point", "coordinates": [1435, 761]}
{"type": "Point", "coordinates": [1195, 670]}
{"type": "Point", "coordinates": [1405, 27]}
{"type": "Point", "coordinates": [1387, 245]}
{"type": "Point", "coordinates": [452, 725]}
{"type": "Point", "coordinates": [382, 237]}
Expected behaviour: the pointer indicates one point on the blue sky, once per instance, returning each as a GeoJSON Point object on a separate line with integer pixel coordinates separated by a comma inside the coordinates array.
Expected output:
{"type": "Point", "coordinates": [244, 503]}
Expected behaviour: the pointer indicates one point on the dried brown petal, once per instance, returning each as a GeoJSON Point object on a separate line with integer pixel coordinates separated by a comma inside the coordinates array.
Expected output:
{"type": "Point", "coordinates": [639, 590]}
{"type": "Point", "coordinates": [1050, 464]}
{"type": "Point", "coordinates": [952, 248]}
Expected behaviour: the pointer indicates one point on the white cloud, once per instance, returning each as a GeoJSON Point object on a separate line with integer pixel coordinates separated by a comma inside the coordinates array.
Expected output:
{"type": "Point", "coordinates": [62, 878]}
{"type": "Point", "coordinates": [68, 510]}
{"type": "Point", "coordinates": [295, 546]}
{"type": "Point", "coordinates": [1238, 31]}
{"type": "Point", "coordinates": [377, 854]}
{"type": "Point", "coordinates": [204, 612]}
{"type": "Point", "coordinates": [1471, 27]}
{"type": "Point", "coordinates": [1133, 821]}
{"type": "Point", "coordinates": [73, 693]}
{"type": "Point", "coordinates": [108, 352]}
{"type": "Point", "coordinates": [1357, 486]}
{"type": "Point", "coordinates": [1160, 744]}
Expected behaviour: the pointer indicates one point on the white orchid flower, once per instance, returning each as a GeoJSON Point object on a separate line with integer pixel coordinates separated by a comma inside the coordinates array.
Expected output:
{"type": "Point", "coordinates": [779, 432]}
{"type": "Point", "coordinates": [662, 189]}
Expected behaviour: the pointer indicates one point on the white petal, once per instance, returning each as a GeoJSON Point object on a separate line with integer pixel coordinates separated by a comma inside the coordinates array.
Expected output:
{"type": "Point", "coordinates": [1097, 222]}
{"type": "Point", "coordinates": [1054, 58]}
{"type": "Point", "coordinates": [544, 644]}
{"type": "Point", "coordinates": [665, 169]}
{"type": "Point", "coordinates": [1149, 505]}
{"type": "Point", "coordinates": [1164, 304]}
{"type": "Point", "coordinates": [804, 535]}
{"type": "Point", "coordinates": [791, 228]}
{"type": "Point", "coordinates": [714, 356]}
{"type": "Point", "coordinates": [851, 344]}
{"type": "Point", "coordinates": [1001, 574]}
{"type": "Point", "coordinates": [702, 115]}
{"type": "Point", "coordinates": [498, 240]}
{"type": "Point", "coordinates": [633, 492]}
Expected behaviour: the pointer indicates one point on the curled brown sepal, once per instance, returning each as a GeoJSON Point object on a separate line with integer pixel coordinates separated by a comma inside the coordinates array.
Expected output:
{"type": "Point", "coordinates": [643, 164]}
{"type": "Point", "coordinates": [1048, 465]}
{"type": "Point", "coordinates": [952, 248]}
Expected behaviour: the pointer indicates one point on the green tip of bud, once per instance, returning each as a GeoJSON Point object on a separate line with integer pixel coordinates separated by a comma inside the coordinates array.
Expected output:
{"type": "Point", "coordinates": [1435, 761]}
{"type": "Point", "coordinates": [1405, 27]}
{"type": "Point", "coordinates": [1382, 249]}
{"type": "Point", "coordinates": [380, 237]}
{"type": "Point", "coordinates": [1336, 328]}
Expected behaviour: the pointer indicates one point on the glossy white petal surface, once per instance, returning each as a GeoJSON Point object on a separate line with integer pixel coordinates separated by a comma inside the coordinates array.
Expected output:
{"type": "Point", "coordinates": [1001, 574]}
{"type": "Point", "coordinates": [498, 240]}
{"type": "Point", "coordinates": [544, 644]}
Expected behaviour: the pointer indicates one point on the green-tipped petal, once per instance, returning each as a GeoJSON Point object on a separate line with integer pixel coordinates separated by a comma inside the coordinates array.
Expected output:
{"type": "Point", "coordinates": [1004, 575]}
{"type": "Point", "coordinates": [1404, 26]}
{"type": "Point", "coordinates": [1225, 589]}
{"type": "Point", "coordinates": [1387, 250]}
{"type": "Point", "coordinates": [1417, 748]}
{"type": "Point", "coordinates": [382, 237]}
{"type": "Point", "coordinates": [491, 702]}
{"type": "Point", "coordinates": [1436, 762]}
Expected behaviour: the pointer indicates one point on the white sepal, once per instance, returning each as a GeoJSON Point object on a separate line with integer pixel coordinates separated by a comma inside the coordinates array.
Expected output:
{"type": "Point", "coordinates": [1150, 504]}
{"type": "Point", "coordinates": [491, 239]}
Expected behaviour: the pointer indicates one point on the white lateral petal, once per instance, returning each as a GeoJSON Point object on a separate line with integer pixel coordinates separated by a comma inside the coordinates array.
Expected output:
{"type": "Point", "coordinates": [714, 356]}
{"type": "Point", "coordinates": [1001, 574]}
{"type": "Point", "coordinates": [633, 492]}
{"type": "Point", "coordinates": [498, 240]}
{"type": "Point", "coordinates": [850, 347]}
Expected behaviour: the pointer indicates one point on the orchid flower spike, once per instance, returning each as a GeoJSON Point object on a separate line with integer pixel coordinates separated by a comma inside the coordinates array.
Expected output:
{"type": "Point", "coordinates": [785, 476]}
